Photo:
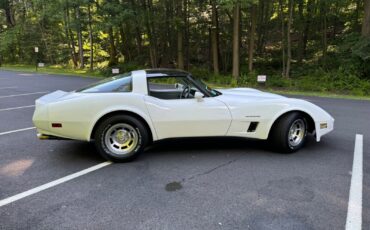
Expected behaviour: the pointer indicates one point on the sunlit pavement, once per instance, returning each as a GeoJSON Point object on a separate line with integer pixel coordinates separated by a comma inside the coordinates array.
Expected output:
{"type": "Point", "coordinates": [209, 183]}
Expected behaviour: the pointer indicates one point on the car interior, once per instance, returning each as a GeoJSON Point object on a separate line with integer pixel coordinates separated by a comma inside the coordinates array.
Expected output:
{"type": "Point", "coordinates": [168, 88]}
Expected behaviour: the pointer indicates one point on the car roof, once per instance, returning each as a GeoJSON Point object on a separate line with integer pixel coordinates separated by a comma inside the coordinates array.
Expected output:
{"type": "Point", "coordinates": [162, 72]}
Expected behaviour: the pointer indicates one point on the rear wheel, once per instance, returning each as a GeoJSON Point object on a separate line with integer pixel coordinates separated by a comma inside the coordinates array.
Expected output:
{"type": "Point", "coordinates": [121, 138]}
{"type": "Point", "coordinates": [289, 133]}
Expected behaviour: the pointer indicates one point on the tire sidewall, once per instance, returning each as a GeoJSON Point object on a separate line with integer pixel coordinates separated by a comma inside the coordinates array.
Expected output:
{"type": "Point", "coordinates": [291, 121]}
{"type": "Point", "coordinates": [104, 127]}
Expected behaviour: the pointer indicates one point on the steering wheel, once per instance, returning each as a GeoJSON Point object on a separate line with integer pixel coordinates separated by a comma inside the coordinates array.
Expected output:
{"type": "Point", "coordinates": [185, 92]}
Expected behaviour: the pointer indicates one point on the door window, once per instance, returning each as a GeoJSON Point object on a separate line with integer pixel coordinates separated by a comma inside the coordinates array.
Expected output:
{"type": "Point", "coordinates": [170, 88]}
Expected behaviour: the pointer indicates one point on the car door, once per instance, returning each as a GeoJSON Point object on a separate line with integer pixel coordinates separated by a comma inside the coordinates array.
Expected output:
{"type": "Point", "coordinates": [188, 117]}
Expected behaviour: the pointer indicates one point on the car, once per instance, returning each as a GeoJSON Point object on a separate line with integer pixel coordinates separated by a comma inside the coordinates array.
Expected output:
{"type": "Point", "coordinates": [125, 113]}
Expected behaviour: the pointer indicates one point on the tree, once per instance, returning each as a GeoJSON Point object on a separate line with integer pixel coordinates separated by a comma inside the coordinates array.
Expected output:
{"type": "Point", "coordinates": [301, 29]}
{"type": "Point", "coordinates": [289, 40]}
{"type": "Point", "coordinates": [282, 17]}
{"type": "Point", "coordinates": [68, 33]}
{"type": "Point", "coordinates": [6, 5]}
{"type": "Point", "coordinates": [366, 21]}
{"type": "Point", "coordinates": [205, 35]}
{"type": "Point", "coordinates": [180, 35]}
{"type": "Point", "coordinates": [91, 37]}
{"type": "Point", "coordinates": [149, 22]}
{"type": "Point", "coordinates": [236, 40]}
{"type": "Point", "coordinates": [215, 38]}
{"type": "Point", "coordinates": [79, 36]}
{"type": "Point", "coordinates": [324, 27]}
{"type": "Point", "coordinates": [253, 15]}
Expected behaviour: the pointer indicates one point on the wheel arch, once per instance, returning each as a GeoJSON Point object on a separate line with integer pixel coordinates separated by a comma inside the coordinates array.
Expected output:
{"type": "Point", "coordinates": [123, 112]}
{"type": "Point", "coordinates": [310, 121]}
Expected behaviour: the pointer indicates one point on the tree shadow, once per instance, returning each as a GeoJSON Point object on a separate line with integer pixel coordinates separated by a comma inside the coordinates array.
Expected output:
{"type": "Point", "coordinates": [206, 143]}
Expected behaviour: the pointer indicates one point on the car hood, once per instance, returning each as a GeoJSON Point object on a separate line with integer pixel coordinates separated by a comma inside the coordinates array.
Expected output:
{"type": "Point", "coordinates": [248, 94]}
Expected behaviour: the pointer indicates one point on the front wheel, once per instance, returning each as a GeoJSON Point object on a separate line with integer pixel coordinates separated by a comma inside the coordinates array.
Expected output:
{"type": "Point", "coordinates": [121, 138]}
{"type": "Point", "coordinates": [289, 133]}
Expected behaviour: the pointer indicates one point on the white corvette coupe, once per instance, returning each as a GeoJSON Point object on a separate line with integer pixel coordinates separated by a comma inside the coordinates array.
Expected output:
{"type": "Point", "coordinates": [125, 113]}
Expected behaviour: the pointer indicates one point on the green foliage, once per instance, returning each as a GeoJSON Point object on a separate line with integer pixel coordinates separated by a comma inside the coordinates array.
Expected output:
{"type": "Point", "coordinates": [311, 80]}
{"type": "Point", "coordinates": [201, 73]}
{"type": "Point", "coordinates": [339, 81]}
{"type": "Point", "coordinates": [141, 34]}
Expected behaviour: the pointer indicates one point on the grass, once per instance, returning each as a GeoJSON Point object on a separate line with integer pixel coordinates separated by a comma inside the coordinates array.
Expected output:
{"type": "Point", "coordinates": [61, 70]}
{"type": "Point", "coordinates": [55, 69]}
{"type": "Point", "coordinates": [319, 94]}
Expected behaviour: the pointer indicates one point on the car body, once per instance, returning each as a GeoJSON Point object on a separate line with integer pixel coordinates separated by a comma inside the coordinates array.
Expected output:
{"type": "Point", "coordinates": [171, 104]}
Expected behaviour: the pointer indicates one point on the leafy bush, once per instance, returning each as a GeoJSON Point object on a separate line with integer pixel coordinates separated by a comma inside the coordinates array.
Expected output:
{"type": "Point", "coordinates": [200, 72]}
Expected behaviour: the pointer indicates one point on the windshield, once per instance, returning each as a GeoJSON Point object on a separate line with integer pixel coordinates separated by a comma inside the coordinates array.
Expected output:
{"type": "Point", "coordinates": [206, 88]}
{"type": "Point", "coordinates": [119, 83]}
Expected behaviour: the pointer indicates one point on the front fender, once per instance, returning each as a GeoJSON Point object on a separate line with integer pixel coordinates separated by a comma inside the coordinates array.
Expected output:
{"type": "Point", "coordinates": [318, 115]}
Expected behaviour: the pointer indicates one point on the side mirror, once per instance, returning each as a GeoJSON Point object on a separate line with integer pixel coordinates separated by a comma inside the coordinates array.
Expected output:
{"type": "Point", "coordinates": [199, 96]}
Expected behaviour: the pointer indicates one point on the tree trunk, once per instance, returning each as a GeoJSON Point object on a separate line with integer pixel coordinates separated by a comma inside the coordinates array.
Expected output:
{"type": "Point", "coordinates": [252, 37]}
{"type": "Point", "coordinates": [180, 37]}
{"type": "Point", "coordinates": [166, 49]}
{"type": "Point", "coordinates": [112, 48]}
{"type": "Point", "coordinates": [138, 34]}
{"type": "Point", "coordinates": [261, 26]}
{"type": "Point", "coordinates": [307, 27]}
{"type": "Point", "coordinates": [70, 36]}
{"type": "Point", "coordinates": [324, 40]}
{"type": "Point", "coordinates": [180, 53]}
{"type": "Point", "coordinates": [9, 13]}
{"type": "Point", "coordinates": [187, 34]}
{"type": "Point", "coordinates": [214, 39]}
{"type": "Point", "coordinates": [356, 24]}
{"type": "Point", "coordinates": [282, 35]}
{"type": "Point", "coordinates": [150, 31]}
{"type": "Point", "coordinates": [91, 38]}
{"type": "Point", "coordinates": [41, 24]}
{"type": "Point", "coordinates": [366, 21]}
{"type": "Point", "coordinates": [301, 29]}
{"type": "Point", "coordinates": [236, 41]}
{"type": "Point", "coordinates": [289, 40]}
{"type": "Point", "coordinates": [79, 37]}
{"type": "Point", "coordinates": [125, 45]}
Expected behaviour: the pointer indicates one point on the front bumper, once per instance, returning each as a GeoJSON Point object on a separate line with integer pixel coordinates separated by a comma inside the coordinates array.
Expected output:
{"type": "Point", "coordinates": [323, 127]}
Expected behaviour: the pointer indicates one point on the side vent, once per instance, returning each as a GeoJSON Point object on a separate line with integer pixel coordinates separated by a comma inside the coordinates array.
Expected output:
{"type": "Point", "coordinates": [252, 127]}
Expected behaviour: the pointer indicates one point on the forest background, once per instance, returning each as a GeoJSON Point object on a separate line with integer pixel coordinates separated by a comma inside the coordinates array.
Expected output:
{"type": "Point", "coordinates": [320, 46]}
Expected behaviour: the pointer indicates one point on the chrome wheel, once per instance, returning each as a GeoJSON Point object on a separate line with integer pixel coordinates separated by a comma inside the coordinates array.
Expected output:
{"type": "Point", "coordinates": [121, 138]}
{"type": "Point", "coordinates": [297, 132]}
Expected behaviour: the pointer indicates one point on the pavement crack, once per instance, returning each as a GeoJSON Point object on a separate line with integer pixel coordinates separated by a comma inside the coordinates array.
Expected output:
{"type": "Point", "coordinates": [209, 171]}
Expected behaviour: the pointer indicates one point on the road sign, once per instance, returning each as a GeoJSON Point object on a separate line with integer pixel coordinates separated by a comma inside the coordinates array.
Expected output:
{"type": "Point", "coordinates": [115, 71]}
{"type": "Point", "coordinates": [40, 64]}
{"type": "Point", "coordinates": [36, 49]}
{"type": "Point", "coordinates": [261, 78]}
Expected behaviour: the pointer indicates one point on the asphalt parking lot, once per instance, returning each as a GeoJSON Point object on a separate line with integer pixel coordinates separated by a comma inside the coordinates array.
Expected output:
{"type": "Point", "coordinates": [211, 183]}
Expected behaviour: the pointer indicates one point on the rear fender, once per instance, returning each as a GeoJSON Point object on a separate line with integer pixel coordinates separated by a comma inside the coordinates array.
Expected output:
{"type": "Point", "coordinates": [122, 109]}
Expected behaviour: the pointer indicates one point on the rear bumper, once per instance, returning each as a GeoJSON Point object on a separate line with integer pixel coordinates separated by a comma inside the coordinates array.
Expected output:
{"type": "Point", "coordinates": [49, 137]}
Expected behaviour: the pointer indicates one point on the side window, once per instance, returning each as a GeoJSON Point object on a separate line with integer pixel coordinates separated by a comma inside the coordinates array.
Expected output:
{"type": "Point", "coordinates": [120, 83]}
{"type": "Point", "coordinates": [170, 88]}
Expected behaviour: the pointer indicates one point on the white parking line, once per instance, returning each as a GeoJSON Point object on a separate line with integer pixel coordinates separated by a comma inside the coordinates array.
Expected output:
{"type": "Point", "coordinates": [17, 130]}
{"type": "Point", "coordinates": [24, 94]}
{"type": "Point", "coordinates": [354, 212]}
{"type": "Point", "coordinates": [20, 107]}
{"type": "Point", "coordinates": [10, 87]}
{"type": "Point", "coordinates": [52, 183]}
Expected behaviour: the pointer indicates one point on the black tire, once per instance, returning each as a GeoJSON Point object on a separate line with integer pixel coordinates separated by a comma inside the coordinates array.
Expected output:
{"type": "Point", "coordinates": [280, 133]}
{"type": "Point", "coordinates": [107, 151]}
